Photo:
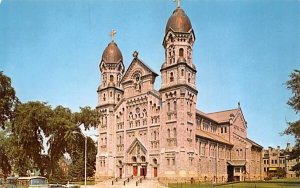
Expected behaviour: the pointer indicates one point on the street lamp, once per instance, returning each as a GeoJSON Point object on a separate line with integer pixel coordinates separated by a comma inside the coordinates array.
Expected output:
{"type": "Point", "coordinates": [85, 151]}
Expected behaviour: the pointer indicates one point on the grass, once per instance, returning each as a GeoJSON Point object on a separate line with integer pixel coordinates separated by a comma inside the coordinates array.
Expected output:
{"type": "Point", "coordinates": [292, 184]}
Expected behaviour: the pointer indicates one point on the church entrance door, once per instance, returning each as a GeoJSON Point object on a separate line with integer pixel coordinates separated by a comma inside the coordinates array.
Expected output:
{"type": "Point", "coordinates": [135, 170]}
{"type": "Point", "coordinates": [155, 171]}
{"type": "Point", "coordinates": [143, 171]}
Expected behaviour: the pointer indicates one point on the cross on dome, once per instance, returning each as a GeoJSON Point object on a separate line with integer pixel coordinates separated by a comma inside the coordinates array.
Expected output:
{"type": "Point", "coordinates": [112, 34]}
{"type": "Point", "coordinates": [178, 3]}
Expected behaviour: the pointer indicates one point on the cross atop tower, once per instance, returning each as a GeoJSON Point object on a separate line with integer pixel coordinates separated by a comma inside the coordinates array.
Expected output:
{"type": "Point", "coordinates": [112, 34]}
{"type": "Point", "coordinates": [178, 3]}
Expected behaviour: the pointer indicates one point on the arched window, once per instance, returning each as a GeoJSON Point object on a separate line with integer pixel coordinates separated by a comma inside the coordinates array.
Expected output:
{"type": "Point", "coordinates": [189, 78]}
{"type": "Point", "coordinates": [174, 133]}
{"type": "Point", "coordinates": [154, 135]}
{"type": "Point", "coordinates": [120, 139]}
{"type": "Point", "coordinates": [171, 77]}
{"type": "Point", "coordinates": [169, 135]}
{"type": "Point", "coordinates": [104, 98]}
{"type": "Point", "coordinates": [155, 161]}
{"type": "Point", "coordinates": [168, 106]}
{"type": "Point", "coordinates": [133, 159]}
{"type": "Point", "coordinates": [182, 72]}
{"type": "Point", "coordinates": [175, 105]}
{"type": "Point", "coordinates": [143, 158]}
{"type": "Point", "coordinates": [181, 52]}
{"type": "Point", "coordinates": [111, 78]}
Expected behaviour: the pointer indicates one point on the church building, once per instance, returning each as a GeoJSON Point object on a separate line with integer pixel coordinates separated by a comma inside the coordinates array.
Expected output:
{"type": "Point", "coordinates": [161, 134]}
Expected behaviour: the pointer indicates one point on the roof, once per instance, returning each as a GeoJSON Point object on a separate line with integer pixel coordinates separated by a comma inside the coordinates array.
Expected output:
{"type": "Point", "coordinates": [237, 162]}
{"type": "Point", "coordinates": [254, 143]}
{"type": "Point", "coordinates": [179, 22]}
{"type": "Point", "coordinates": [112, 53]}
{"type": "Point", "coordinates": [223, 116]}
{"type": "Point", "coordinates": [212, 137]}
{"type": "Point", "coordinates": [205, 115]}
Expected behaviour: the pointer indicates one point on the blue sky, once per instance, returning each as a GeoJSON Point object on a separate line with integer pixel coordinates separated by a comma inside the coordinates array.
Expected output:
{"type": "Point", "coordinates": [244, 51]}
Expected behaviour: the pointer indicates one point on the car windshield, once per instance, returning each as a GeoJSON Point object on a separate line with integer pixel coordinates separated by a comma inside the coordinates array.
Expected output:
{"type": "Point", "coordinates": [38, 181]}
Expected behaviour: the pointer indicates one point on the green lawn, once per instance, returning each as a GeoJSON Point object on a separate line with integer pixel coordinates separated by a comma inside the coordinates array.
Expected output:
{"type": "Point", "coordinates": [237, 185]}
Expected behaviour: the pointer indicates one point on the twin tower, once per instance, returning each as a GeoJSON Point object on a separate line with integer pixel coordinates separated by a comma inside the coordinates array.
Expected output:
{"type": "Point", "coordinates": [144, 132]}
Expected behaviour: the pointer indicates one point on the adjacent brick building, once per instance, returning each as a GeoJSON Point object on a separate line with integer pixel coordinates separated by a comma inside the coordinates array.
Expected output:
{"type": "Point", "coordinates": [276, 160]}
{"type": "Point", "coordinates": [145, 132]}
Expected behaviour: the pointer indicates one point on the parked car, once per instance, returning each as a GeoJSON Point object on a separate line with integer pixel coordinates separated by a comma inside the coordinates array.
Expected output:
{"type": "Point", "coordinates": [72, 186]}
{"type": "Point", "coordinates": [55, 186]}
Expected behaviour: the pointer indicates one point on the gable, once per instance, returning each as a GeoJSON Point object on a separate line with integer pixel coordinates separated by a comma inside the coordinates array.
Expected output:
{"type": "Point", "coordinates": [136, 147]}
{"type": "Point", "coordinates": [239, 119]}
{"type": "Point", "coordinates": [137, 67]}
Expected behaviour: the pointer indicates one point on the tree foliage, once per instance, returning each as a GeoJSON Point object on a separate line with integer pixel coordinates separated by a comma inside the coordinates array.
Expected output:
{"type": "Point", "coordinates": [294, 85]}
{"type": "Point", "coordinates": [294, 127]}
{"type": "Point", "coordinates": [4, 157]}
{"type": "Point", "coordinates": [8, 99]}
{"type": "Point", "coordinates": [26, 127]}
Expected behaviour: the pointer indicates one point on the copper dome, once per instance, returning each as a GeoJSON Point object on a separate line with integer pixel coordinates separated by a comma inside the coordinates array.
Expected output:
{"type": "Point", "coordinates": [112, 53]}
{"type": "Point", "coordinates": [179, 22]}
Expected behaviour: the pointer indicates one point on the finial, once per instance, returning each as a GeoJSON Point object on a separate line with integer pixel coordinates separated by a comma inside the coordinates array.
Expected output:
{"type": "Point", "coordinates": [239, 104]}
{"type": "Point", "coordinates": [135, 54]}
{"type": "Point", "coordinates": [112, 34]}
{"type": "Point", "coordinates": [178, 3]}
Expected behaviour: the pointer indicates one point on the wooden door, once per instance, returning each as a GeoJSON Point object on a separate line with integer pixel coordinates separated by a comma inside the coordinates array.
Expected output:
{"type": "Point", "coordinates": [155, 171]}
{"type": "Point", "coordinates": [135, 170]}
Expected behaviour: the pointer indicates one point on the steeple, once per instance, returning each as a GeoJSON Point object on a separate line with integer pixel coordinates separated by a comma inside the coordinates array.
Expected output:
{"type": "Point", "coordinates": [112, 69]}
{"type": "Point", "coordinates": [178, 43]}
{"type": "Point", "coordinates": [111, 65]}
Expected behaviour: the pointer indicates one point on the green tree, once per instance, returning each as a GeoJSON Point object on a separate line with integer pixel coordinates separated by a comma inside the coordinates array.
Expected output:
{"type": "Point", "coordinates": [31, 125]}
{"type": "Point", "coordinates": [294, 101]}
{"type": "Point", "coordinates": [8, 100]}
{"type": "Point", "coordinates": [4, 157]}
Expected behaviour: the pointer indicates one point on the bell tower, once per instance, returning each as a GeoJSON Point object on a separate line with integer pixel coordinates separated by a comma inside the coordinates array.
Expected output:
{"type": "Point", "coordinates": [179, 94]}
{"type": "Point", "coordinates": [110, 93]}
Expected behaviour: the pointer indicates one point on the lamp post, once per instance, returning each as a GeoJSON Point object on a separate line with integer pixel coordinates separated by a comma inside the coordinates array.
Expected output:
{"type": "Point", "coordinates": [85, 153]}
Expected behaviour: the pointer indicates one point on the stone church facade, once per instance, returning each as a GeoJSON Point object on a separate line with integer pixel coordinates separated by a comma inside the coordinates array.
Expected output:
{"type": "Point", "coordinates": [145, 132]}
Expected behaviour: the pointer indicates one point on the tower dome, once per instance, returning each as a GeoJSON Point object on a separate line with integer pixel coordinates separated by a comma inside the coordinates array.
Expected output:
{"type": "Point", "coordinates": [179, 22]}
{"type": "Point", "coordinates": [112, 53]}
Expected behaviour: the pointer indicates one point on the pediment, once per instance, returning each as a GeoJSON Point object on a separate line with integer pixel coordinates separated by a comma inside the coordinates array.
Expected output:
{"type": "Point", "coordinates": [239, 118]}
{"type": "Point", "coordinates": [137, 67]}
{"type": "Point", "coordinates": [136, 148]}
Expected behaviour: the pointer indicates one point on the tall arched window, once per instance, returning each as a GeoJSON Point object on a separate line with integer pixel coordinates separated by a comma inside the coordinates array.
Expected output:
{"type": "Point", "coordinates": [174, 133]}
{"type": "Point", "coordinates": [168, 106]}
{"type": "Point", "coordinates": [175, 105]}
{"type": "Point", "coordinates": [182, 72]}
{"type": "Point", "coordinates": [111, 78]}
{"type": "Point", "coordinates": [169, 135]}
{"type": "Point", "coordinates": [181, 52]}
{"type": "Point", "coordinates": [171, 77]}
